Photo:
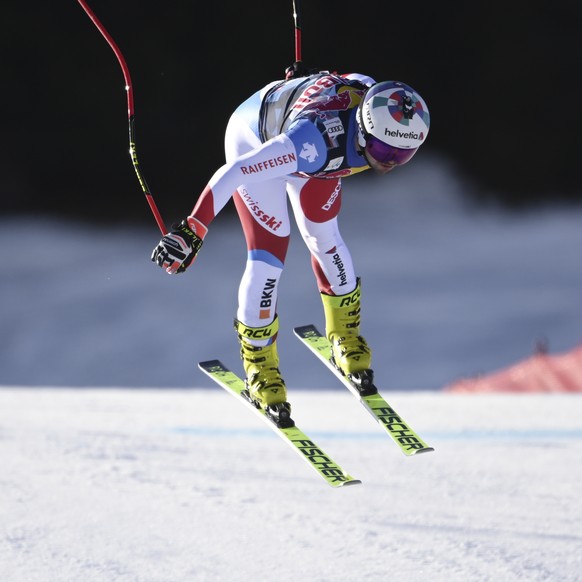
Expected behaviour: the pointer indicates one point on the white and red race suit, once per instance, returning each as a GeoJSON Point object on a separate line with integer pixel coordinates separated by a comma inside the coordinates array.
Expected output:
{"type": "Point", "coordinates": [297, 139]}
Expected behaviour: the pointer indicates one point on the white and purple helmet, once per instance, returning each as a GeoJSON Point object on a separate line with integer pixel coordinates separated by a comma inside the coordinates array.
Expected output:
{"type": "Point", "coordinates": [394, 121]}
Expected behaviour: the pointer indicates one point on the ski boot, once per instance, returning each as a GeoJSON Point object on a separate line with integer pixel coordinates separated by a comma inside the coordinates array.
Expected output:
{"type": "Point", "coordinates": [350, 352]}
{"type": "Point", "coordinates": [265, 387]}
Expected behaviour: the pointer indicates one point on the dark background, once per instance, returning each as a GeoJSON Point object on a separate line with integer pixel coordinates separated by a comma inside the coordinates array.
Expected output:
{"type": "Point", "coordinates": [501, 80]}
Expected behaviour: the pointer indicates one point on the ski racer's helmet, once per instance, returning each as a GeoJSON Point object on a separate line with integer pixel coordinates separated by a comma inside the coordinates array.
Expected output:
{"type": "Point", "coordinates": [393, 120]}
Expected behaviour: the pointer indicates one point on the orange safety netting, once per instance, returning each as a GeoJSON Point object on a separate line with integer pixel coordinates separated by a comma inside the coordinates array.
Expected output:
{"type": "Point", "coordinates": [540, 373]}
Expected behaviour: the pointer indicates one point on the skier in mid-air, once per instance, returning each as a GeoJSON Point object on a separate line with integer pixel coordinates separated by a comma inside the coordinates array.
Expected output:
{"type": "Point", "coordinates": [298, 138]}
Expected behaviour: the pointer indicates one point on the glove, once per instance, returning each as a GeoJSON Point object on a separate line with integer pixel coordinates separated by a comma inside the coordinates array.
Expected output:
{"type": "Point", "coordinates": [299, 69]}
{"type": "Point", "coordinates": [177, 249]}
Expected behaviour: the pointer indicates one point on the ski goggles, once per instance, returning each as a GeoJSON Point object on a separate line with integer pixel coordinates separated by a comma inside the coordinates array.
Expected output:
{"type": "Point", "coordinates": [386, 154]}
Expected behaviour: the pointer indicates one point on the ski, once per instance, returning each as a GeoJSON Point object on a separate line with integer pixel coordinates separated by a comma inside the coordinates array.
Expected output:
{"type": "Point", "coordinates": [406, 439]}
{"type": "Point", "coordinates": [307, 449]}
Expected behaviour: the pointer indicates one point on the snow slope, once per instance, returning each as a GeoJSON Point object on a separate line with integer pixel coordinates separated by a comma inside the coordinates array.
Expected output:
{"type": "Point", "coordinates": [133, 485]}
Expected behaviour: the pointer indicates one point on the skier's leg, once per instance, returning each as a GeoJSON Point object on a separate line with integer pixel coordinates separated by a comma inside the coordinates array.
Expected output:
{"type": "Point", "coordinates": [316, 204]}
{"type": "Point", "coordinates": [262, 209]}
{"type": "Point", "coordinates": [265, 222]}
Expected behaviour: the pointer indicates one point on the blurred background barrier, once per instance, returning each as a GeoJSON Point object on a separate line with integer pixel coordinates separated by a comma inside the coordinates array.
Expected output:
{"type": "Point", "coordinates": [541, 372]}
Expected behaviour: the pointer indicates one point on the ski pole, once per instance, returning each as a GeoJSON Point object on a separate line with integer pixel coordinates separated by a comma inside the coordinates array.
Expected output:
{"type": "Point", "coordinates": [130, 113]}
{"type": "Point", "coordinates": [297, 21]}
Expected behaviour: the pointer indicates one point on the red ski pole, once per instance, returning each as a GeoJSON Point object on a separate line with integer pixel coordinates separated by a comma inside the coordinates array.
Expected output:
{"type": "Point", "coordinates": [297, 21]}
{"type": "Point", "coordinates": [130, 113]}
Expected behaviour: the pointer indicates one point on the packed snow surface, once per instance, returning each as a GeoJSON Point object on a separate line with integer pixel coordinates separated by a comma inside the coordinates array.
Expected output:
{"type": "Point", "coordinates": [141, 485]}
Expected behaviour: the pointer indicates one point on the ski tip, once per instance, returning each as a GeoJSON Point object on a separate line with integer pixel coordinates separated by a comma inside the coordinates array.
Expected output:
{"type": "Point", "coordinates": [351, 482]}
{"type": "Point", "coordinates": [424, 450]}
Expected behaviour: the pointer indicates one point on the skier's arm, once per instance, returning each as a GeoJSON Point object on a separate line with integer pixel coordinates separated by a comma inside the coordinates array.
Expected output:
{"type": "Point", "coordinates": [278, 157]}
{"type": "Point", "coordinates": [273, 159]}
{"type": "Point", "coordinates": [178, 249]}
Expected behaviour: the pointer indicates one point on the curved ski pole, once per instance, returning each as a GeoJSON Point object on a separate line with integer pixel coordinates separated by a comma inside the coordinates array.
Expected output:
{"type": "Point", "coordinates": [130, 113]}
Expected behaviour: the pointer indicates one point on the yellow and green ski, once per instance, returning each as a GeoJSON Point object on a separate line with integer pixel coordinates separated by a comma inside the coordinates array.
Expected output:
{"type": "Point", "coordinates": [323, 464]}
{"type": "Point", "coordinates": [406, 439]}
